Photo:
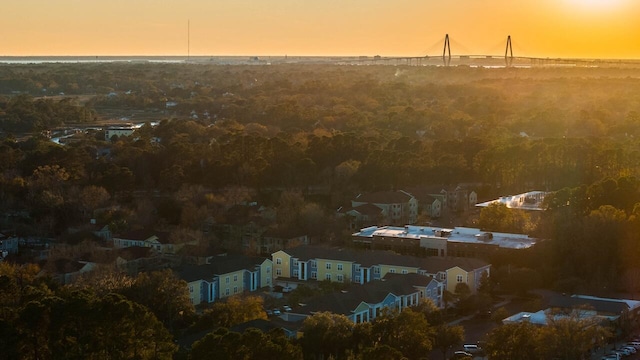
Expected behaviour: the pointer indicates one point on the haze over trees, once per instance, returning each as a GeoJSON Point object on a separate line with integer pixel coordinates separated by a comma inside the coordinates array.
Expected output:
{"type": "Point", "coordinates": [303, 140]}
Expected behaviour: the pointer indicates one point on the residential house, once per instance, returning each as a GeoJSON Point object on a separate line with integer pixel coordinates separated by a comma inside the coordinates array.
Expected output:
{"type": "Point", "coordinates": [431, 203]}
{"type": "Point", "coordinates": [308, 263]}
{"type": "Point", "coordinates": [225, 276]}
{"type": "Point", "coordinates": [136, 259]}
{"type": "Point", "coordinates": [118, 131]}
{"type": "Point", "coordinates": [65, 271]}
{"type": "Point", "coordinates": [199, 254]}
{"type": "Point", "coordinates": [157, 240]}
{"type": "Point", "coordinates": [102, 231]}
{"type": "Point", "coordinates": [462, 198]}
{"type": "Point", "coordinates": [8, 244]}
{"type": "Point", "coordinates": [273, 240]}
{"type": "Point", "coordinates": [398, 207]}
{"type": "Point", "coordinates": [361, 216]}
{"type": "Point", "coordinates": [363, 303]}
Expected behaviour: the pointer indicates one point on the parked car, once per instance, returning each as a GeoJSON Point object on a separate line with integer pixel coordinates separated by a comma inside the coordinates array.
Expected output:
{"type": "Point", "coordinates": [276, 312]}
{"type": "Point", "coordinates": [286, 308]}
{"type": "Point", "coordinates": [471, 348]}
{"type": "Point", "coordinates": [611, 357]}
{"type": "Point", "coordinates": [623, 351]}
{"type": "Point", "coordinates": [632, 349]}
{"type": "Point", "coordinates": [462, 355]}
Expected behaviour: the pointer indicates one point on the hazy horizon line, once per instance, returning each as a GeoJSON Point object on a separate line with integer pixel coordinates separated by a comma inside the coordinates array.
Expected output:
{"type": "Point", "coordinates": [182, 56]}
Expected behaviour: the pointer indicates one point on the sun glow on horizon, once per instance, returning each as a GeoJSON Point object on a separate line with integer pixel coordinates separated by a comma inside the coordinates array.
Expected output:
{"type": "Point", "coordinates": [543, 28]}
{"type": "Point", "coordinates": [598, 5]}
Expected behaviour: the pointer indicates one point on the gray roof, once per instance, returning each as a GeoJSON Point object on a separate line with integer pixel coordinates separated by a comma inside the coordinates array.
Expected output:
{"type": "Point", "coordinates": [368, 258]}
{"type": "Point", "coordinates": [364, 209]}
{"type": "Point", "coordinates": [220, 265]}
{"type": "Point", "coordinates": [384, 197]}
{"type": "Point", "coordinates": [599, 305]}
{"type": "Point", "coordinates": [373, 292]}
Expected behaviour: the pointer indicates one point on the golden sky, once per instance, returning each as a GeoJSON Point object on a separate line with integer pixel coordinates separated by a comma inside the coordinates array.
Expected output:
{"type": "Point", "coordinates": [542, 28]}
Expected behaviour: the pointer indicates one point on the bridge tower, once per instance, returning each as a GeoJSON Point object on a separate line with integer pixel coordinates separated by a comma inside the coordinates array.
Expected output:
{"type": "Point", "coordinates": [447, 48]}
{"type": "Point", "coordinates": [508, 53]}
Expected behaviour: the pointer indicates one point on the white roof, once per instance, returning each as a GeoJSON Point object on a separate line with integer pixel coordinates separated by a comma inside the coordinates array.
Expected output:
{"type": "Point", "coordinates": [541, 317]}
{"type": "Point", "coordinates": [457, 234]}
{"type": "Point", "coordinates": [531, 200]}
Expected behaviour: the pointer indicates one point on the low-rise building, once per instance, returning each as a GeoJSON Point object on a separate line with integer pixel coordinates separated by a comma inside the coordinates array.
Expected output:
{"type": "Point", "coordinates": [435, 241]}
{"type": "Point", "coordinates": [225, 276]}
{"type": "Point", "coordinates": [157, 240]}
{"type": "Point", "coordinates": [363, 303]}
{"type": "Point", "coordinates": [118, 131]}
{"type": "Point", "coordinates": [316, 263]}
{"type": "Point", "coordinates": [398, 207]}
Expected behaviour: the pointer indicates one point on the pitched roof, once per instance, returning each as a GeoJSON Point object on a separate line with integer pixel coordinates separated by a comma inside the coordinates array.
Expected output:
{"type": "Point", "coordinates": [144, 234]}
{"type": "Point", "coordinates": [384, 197]}
{"type": "Point", "coordinates": [220, 265]}
{"type": "Point", "coordinates": [365, 209]}
{"type": "Point", "coordinates": [67, 266]}
{"type": "Point", "coordinates": [267, 325]}
{"type": "Point", "coordinates": [369, 258]}
{"type": "Point", "coordinates": [345, 302]}
{"type": "Point", "coordinates": [599, 305]}
{"type": "Point", "coordinates": [424, 194]}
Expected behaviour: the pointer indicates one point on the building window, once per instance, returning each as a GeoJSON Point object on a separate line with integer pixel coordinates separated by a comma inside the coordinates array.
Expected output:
{"type": "Point", "coordinates": [226, 291]}
{"type": "Point", "coordinates": [314, 275]}
{"type": "Point", "coordinates": [328, 266]}
{"type": "Point", "coordinates": [235, 278]}
{"type": "Point", "coordinates": [357, 278]}
{"type": "Point", "coordinates": [191, 288]}
{"type": "Point", "coordinates": [328, 277]}
{"type": "Point", "coordinates": [268, 270]}
{"type": "Point", "coordinates": [279, 261]}
{"type": "Point", "coordinates": [392, 271]}
{"type": "Point", "coordinates": [226, 280]}
{"type": "Point", "coordinates": [404, 271]}
{"type": "Point", "coordinates": [339, 267]}
{"type": "Point", "coordinates": [278, 272]}
{"type": "Point", "coordinates": [295, 273]}
{"type": "Point", "coordinates": [340, 278]}
{"type": "Point", "coordinates": [459, 278]}
{"type": "Point", "coordinates": [295, 262]}
{"type": "Point", "coordinates": [235, 289]}
{"type": "Point", "coordinates": [376, 270]}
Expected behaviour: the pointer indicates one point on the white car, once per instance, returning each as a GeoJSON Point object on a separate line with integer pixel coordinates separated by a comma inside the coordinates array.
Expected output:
{"type": "Point", "coordinates": [611, 357]}
{"type": "Point", "coordinates": [286, 308]}
{"type": "Point", "coordinates": [630, 348]}
{"type": "Point", "coordinates": [471, 348]}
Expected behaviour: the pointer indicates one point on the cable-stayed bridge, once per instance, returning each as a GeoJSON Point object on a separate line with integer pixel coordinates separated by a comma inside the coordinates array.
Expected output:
{"type": "Point", "coordinates": [508, 59]}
